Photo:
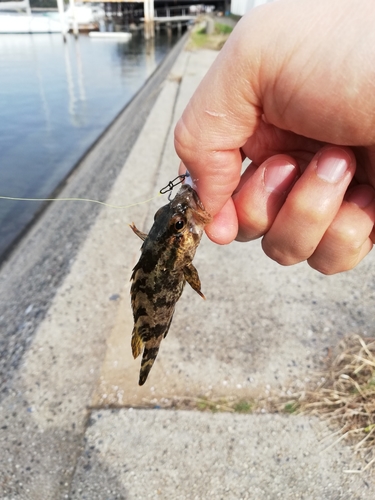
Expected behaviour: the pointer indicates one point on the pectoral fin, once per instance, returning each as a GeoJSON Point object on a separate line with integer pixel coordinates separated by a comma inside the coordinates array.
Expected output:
{"type": "Point", "coordinates": [139, 233]}
{"type": "Point", "coordinates": [191, 276]}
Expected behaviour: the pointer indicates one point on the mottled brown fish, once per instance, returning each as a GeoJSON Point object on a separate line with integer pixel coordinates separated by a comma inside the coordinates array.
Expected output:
{"type": "Point", "coordinates": [162, 270]}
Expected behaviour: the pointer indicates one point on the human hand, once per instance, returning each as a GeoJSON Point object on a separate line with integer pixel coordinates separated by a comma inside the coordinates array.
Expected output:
{"type": "Point", "coordinates": [293, 90]}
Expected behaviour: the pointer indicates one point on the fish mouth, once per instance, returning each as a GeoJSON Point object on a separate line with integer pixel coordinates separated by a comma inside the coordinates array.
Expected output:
{"type": "Point", "coordinates": [188, 203]}
{"type": "Point", "coordinates": [186, 198]}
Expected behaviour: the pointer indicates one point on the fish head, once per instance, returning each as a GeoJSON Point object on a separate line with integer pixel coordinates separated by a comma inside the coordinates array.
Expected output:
{"type": "Point", "coordinates": [189, 213]}
{"type": "Point", "coordinates": [179, 225]}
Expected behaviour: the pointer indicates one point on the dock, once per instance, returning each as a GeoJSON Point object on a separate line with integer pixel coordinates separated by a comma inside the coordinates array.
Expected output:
{"type": "Point", "coordinates": [172, 19]}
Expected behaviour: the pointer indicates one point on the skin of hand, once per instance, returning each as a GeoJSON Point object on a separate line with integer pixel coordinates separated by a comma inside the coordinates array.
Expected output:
{"type": "Point", "coordinates": [293, 90]}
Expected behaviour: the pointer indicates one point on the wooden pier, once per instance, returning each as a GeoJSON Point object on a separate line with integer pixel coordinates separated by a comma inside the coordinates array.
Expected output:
{"type": "Point", "coordinates": [172, 19]}
{"type": "Point", "coordinates": [151, 20]}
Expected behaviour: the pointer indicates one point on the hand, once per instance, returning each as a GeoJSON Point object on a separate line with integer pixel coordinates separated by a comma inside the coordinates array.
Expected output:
{"type": "Point", "coordinates": [293, 90]}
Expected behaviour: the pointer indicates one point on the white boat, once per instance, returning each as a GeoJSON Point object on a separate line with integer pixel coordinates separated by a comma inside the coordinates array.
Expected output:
{"type": "Point", "coordinates": [13, 20]}
{"type": "Point", "coordinates": [85, 16]}
{"type": "Point", "coordinates": [114, 35]}
{"type": "Point", "coordinates": [25, 23]}
{"type": "Point", "coordinates": [18, 5]}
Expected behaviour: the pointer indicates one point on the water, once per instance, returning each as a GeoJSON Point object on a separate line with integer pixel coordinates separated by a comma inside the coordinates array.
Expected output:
{"type": "Point", "coordinates": [55, 101]}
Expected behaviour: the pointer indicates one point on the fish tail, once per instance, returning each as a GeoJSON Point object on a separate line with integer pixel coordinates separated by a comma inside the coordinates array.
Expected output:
{"type": "Point", "coordinates": [137, 343]}
{"type": "Point", "coordinates": [149, 356]}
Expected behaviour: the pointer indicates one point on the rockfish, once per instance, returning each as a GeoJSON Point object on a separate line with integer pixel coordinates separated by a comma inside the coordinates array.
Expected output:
{"type": "Point", "coordinates": [162, 270]}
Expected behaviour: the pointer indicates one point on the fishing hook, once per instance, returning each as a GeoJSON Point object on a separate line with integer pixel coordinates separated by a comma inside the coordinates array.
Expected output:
{"type": "Point", "coordinates": [173, 183]}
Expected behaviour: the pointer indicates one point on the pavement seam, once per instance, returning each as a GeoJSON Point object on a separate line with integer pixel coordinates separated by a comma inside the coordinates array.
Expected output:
{"type": "Point", "coordinates": [79, 451]}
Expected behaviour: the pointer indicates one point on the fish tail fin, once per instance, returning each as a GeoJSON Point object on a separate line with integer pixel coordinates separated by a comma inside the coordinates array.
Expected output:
{"type": "Point", "coordinates": [137, 343]}
{"type": "Point", "coordinates": [148, 358]}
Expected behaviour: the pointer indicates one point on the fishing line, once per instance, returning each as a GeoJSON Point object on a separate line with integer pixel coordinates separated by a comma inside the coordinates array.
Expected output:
{"type": "Point", "coordinates": [168, 188]}
{"type": "Point", "coordinates": [13, 198]}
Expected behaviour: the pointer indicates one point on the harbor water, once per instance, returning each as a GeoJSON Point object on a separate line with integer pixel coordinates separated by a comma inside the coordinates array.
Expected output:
{"type": "Point", "coordinates": [56, 99]}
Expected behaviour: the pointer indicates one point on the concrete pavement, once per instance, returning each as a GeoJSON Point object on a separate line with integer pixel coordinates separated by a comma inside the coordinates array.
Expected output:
{"type": "Point", "coordinates": [74, 423]}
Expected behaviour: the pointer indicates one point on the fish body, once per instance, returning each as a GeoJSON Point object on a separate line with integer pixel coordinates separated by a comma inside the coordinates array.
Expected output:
{"type": "Point", "coordinates": [164, 267]}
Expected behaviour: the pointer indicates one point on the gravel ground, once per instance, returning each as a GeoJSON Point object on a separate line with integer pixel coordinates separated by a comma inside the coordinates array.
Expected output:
{"type": "Point", "coordinates": [177, 455]}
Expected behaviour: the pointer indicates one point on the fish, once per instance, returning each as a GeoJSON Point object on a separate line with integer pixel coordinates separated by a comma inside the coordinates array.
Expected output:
{"type": "Point", "coordinates": [165, 265]}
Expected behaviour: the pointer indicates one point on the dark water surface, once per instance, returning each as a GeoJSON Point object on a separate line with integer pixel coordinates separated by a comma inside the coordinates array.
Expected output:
{"type": "Point", "coordinates": [55, 101]}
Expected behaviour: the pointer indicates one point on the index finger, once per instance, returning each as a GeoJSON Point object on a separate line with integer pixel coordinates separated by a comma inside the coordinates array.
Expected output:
{"type": "Point", "coordinates": [222, 114]}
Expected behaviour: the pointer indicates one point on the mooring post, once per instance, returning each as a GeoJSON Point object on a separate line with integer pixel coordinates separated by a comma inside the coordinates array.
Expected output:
{"type": "Point", "coordinates": [146, 17]}
{"type": "Point", "coordinates": [149, 19]}
{"type": "Point", "coordinates": [60, 5]}
{"type": "Point", "coordinates": [75, 24]}
{"type": "Point", "coordinates": [152, 19]}
{"type": "Point", "coordinates": [28, 8]}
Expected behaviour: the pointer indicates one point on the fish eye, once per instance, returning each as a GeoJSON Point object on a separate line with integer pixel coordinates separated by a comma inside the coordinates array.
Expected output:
{"type": "Point", "coordinates": [179, 225]}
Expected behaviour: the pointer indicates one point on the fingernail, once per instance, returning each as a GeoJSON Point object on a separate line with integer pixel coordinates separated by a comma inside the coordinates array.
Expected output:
{"type": "Point", "coordinates": [332, 164]}
{"type": "Point", "coordinates": [278, 178]}
{"type": "Point", "coordinates": [361, 196]}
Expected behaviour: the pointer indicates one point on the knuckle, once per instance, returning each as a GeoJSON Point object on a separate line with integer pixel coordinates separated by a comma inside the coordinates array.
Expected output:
{"type": "Point", "coordinates": [338, 259]}
{"type": "Point", "coordinates": [326, 268]}
{"type": "Point", "coordinates": [312, 216]}
{"type": "Point", "coordinates": [350, 238]}
{"type": "Point", "coordinates": [252, 229]}
{"type": "Point", "coordinates": [180, 138]}
{"type": "Point", "coordinates": [284, 257]}
{"type": "Point", "coordinates": [184, 141]}
{"type": "Point", "coordinates": [329, 267]}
